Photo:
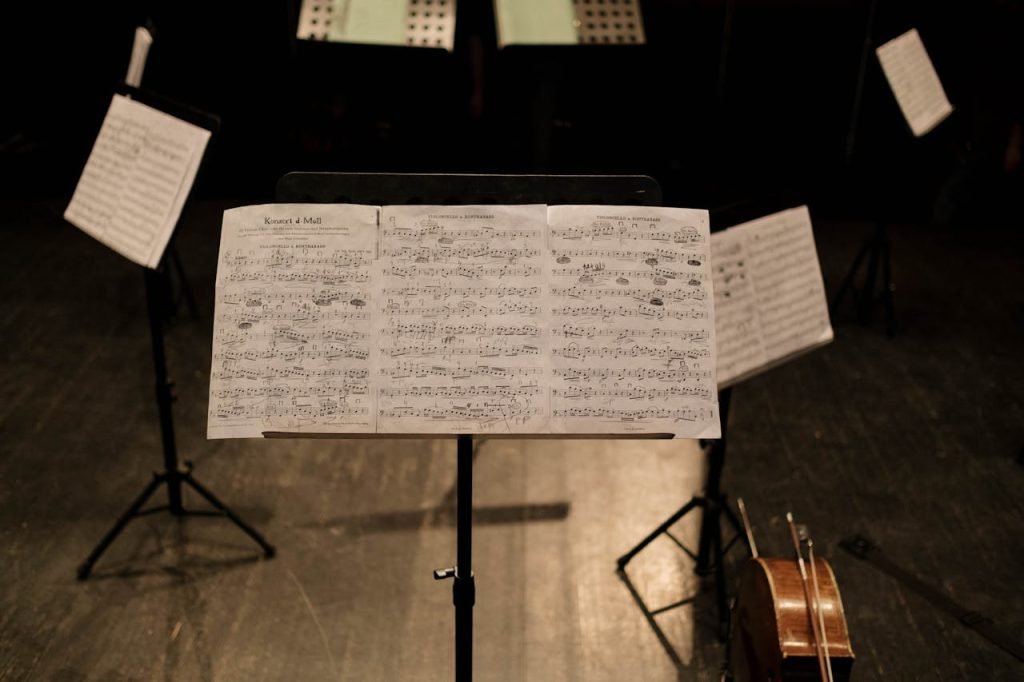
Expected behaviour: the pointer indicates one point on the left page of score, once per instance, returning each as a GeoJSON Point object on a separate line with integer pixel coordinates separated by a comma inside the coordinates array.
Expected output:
{"type": "Point", "coordinates": [291, 341]}
{"type": "Point", "coordinates": [136, 180]}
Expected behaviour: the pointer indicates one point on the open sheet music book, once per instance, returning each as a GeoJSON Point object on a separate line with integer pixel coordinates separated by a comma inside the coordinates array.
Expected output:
{"type": "Point", "coordinates": [136, 180]}
{"type": "Point", "coordinates": [336, 318]}
{"type": "Point", "coordinates": [769, 295]}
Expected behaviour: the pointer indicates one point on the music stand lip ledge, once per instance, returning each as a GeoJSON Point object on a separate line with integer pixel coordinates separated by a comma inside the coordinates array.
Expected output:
{"type": "Point", "coordinates": [510, 436]}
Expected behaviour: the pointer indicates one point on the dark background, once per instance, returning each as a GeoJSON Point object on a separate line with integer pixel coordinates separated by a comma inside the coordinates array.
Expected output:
{"type": "Point", "coordinates": [768, 119]}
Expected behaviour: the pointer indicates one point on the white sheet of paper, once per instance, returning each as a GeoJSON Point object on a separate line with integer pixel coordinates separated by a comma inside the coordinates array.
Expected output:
{"type": "Point", "coordinates": [769, 295]}
{"type": "Point", "coordinates": [140, 52]}
{"type": "Point", "coordinates": [136, 180]}
{"type": "Point", "coordinates": [291, 333]}
{"type": "Point", "coordinates": [461, 326]}
{"type": "Point", "coordinates": [535, 22]}
{"type": "Point", "coordinates": [914, 82]}
{"type": "Point", "coordinates": [632, 321]}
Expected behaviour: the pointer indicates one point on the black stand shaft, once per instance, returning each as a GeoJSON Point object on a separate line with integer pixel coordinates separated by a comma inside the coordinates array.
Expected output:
{"type": "Point", "coordinates": [877, 251]}
{"type": "Point", "coordinates": [711, 549]}
{"type": "Point", "coordinates": [464, 587]}
{"type": "Point", "coordinates": [173, 475]}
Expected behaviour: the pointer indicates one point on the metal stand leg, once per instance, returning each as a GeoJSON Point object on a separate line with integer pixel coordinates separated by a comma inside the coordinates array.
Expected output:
{"type": "Point", "coordinates": [172, 475]}
{"type": "Point", "coordinates": [85, 569]}
{"type": "Point", "coordinates": [268, 549]}
{"type": "Point", "coordinates": [464, 587]}
{"type": "Point", "coordinates": [710, 556]}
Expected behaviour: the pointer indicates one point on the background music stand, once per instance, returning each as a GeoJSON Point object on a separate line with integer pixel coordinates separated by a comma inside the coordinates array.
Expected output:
{"type": "Point", "coordinates": [441, 188]}
{"type": "Point", "coordinates": [157, 302]}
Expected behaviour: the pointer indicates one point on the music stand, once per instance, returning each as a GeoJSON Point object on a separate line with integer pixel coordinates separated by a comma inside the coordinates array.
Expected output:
{"type": "Point", "coordinates": [443, 188]}
{"type": "Point", "coordinates": [157, 300]}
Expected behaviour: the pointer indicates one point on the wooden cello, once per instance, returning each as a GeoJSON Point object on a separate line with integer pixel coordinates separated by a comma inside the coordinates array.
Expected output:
{"type": "Point", "coordinates": [788, 622]}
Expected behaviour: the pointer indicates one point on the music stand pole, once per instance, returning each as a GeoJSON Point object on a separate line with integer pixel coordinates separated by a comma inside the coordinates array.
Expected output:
{"type": "Point", "coordinates": [464, 587]}
{"type": "Point", "coordinates": [155, 284]}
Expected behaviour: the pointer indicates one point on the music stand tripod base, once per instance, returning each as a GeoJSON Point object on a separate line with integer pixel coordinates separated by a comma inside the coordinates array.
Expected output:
{"type": "Point", "coordinates": [711, 552]}
{"type": "Point", "coordinates": [173, 475]}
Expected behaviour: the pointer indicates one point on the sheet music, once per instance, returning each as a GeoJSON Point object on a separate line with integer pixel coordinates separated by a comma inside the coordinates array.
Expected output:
{"type": "Point", "coordinates": [632, 321]}
{"type": "Point", "coordinates": [136, 179]}
{"type": "Point", "coordinates": [769, 295]}
{"type": "Point", "coordinates": [460, 326]}
{"type": "Point", "coordinates": [914, 82]}
{"type": "Point", "coordinates": [292, 329]}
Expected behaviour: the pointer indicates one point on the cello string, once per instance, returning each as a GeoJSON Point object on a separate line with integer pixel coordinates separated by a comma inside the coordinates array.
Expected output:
{"type": "Point", "coordinates": [817, 607]}
{"type": "Point", "coordinates": [807, 594]}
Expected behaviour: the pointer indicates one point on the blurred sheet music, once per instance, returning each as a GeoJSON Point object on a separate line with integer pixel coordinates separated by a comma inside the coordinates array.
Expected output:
{"type": "Point", "coordinates": [136, 180]}
{"type": "Point", "coordinates": [412, 23]}
{"type": "Point", "coordinates": [632, 321]}
{"type": "Point", "coordinates": [914, 82]}
{"type": "Point", "coordinates": [535, 22]}
{"type": "Point", "coordinates": [769, 295]}
{"type": "Point", "coordinates": [464, 320]}
{"type": "Point", "coordinates": [291, 333]}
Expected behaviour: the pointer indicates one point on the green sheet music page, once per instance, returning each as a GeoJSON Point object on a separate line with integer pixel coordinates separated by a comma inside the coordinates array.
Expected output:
{"type": "Point", "coordinates": [536, 22]}
{"type": "Point", "coordinates": [370, 21]}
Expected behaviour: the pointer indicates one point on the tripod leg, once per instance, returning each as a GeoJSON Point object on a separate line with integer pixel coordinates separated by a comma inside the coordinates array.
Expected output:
{"type": "Point", "coordinates": [867, 300]}
{"type": "Point", "coordinates": [85, 569]}
{"type": "Point", "coordinates": [268, 549]}
{"type": "Point", "coordinates": [848, 279]}
{"type": "Point", "coordinates": [736, 524]}
{"type": "Point", "coordinates": [887, 289]}
{"type": "Point", "coordinates": [686, 508]}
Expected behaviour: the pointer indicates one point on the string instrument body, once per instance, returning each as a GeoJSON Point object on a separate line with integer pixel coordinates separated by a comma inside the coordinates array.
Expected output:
{"type": "Point", "coordinates": [772, 640]}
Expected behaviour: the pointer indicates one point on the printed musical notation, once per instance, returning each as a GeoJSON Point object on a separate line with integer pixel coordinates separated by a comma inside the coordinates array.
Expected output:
{"type": "Point", "coordinates": [135, 181]}
{"type": "Point", "coordinates": [494, 254]}
{"type": "Point", "coordinates": [630, 314]}
{"type": "Point", "coordinates": [292, 349]}
{"type": "Point", "coordinates": [914, 82]}
{"type": "Point", "coordinates": [769, 296]}
{"type": "Point", "coordinates": [456, 371]}
{"type": "Point", "coordinates": [463, 271]}
{"type": "Point", "coordinates": [464, 319]}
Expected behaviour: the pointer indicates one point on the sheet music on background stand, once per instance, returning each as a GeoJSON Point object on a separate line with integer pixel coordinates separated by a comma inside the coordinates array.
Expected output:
{"type": "Point", "coordinates": [914, 82]}
{"type": "Point", "coordinates": [770, 301]}
{"type": "Point", "coordinates": [136, 179]}
{"type": "Point", "coordinates": [410, 23]}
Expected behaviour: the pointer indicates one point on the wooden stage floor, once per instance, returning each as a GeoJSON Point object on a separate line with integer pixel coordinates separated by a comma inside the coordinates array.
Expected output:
{"type": "Point", "coordinates": [913, 441]}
